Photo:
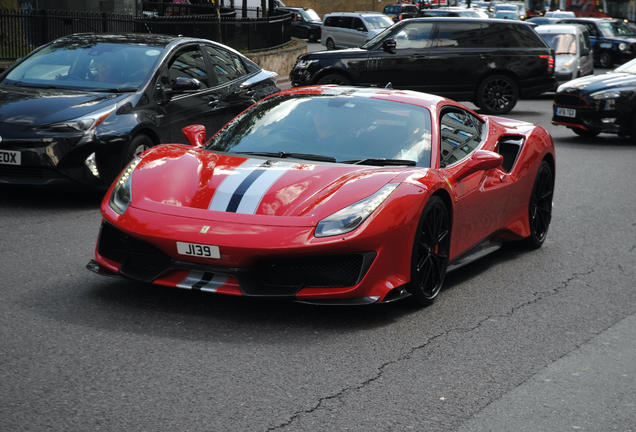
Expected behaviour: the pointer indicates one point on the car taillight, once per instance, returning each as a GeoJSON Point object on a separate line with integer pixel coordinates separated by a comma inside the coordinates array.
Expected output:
{"type": "Point", "coordinates": [550, 63]}
{"type": "Point", "coordinates": [400, 17]}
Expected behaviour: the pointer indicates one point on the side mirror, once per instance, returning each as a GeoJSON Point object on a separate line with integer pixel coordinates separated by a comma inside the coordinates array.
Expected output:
{"type": "Point", "coordinates": [361, 29]}
{"type": "Point", "coordinates": [585, 52]}
{"type": "Point", "coordinates": [482, 160]}
{"type": "Point", "coordinates": [181, 85]}
{"type": "Point", "coordinates": [389, 45]}
{"type": "Point", "coordinates": [194, 134]}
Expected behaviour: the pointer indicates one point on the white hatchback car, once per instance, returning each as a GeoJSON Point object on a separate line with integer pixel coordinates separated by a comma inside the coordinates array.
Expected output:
{"type": "Point", "coordinates": [352, 29]}
{"type": "Point", "coordinates": [573, 49]}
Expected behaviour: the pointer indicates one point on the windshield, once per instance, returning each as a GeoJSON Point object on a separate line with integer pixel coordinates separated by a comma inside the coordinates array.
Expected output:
{"type": "Point", "coordinates": [86, 65]}
{"type": "Point", "coordinates": [562, 44]}
{"type": "Point", "coordinates": [348, 129]}
{"type": "Point", "coordinates": [383, 34]}
{"type": "Point", "coordinates": [310, 15]}
{"type": "Point", "coordinates": [378, 22]}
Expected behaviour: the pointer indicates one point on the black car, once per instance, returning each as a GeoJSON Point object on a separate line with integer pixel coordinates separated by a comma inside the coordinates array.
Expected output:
{"type": "Point", "coordinates": [486, 61]}
{"type": "Point", "coordinates": [613, 41]}
{"type": "Point", "coordinates": [78, 109]}
{"type": "Point", "coordinates": [600, 103]}
{"type": "Point", "coordinates": [306, 23]}
{"type": "Point", "coordinates": [402, 11]}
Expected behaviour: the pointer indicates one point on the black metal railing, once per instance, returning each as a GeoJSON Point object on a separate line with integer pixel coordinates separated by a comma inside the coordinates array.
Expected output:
{"type": "Point", "coordinates": [23, 31]}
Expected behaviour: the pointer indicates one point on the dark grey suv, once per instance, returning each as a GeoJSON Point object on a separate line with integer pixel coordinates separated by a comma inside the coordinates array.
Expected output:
{"type": "Point", "coordinates": [489, 62]}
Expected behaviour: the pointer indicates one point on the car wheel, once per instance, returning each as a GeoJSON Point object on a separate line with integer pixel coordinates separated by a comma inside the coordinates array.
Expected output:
{"type": "Point", "coordinates": [497, 94]}
{"type": "Point", "coordinates": [585, 133]}
{"type": "Point", "coordinates": [137, 146]}
{"type": "Point", "coordinates": [312, 37]}
{"type": "Point", "coordinates": [334, 79]}
{"type": "Point", "coordinates": [606, 59]}
{"type": "Point", "coordinates": [540, 206]}
{"type": "Point", "coordinates": [330, 44]}
{"type": "Point", "coordinates": [430, 252]}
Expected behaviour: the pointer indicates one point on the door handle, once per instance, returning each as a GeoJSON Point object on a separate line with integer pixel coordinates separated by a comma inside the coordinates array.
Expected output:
{"type": "Point", "coordinates": [484, 56]}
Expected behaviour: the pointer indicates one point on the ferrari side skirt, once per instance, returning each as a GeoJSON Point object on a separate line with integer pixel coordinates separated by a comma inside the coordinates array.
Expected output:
{"type": "Point", "coordinates": [480, 250]}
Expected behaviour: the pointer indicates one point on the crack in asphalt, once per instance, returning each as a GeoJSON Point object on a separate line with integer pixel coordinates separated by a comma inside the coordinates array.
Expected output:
{"type": "Point", "coordinates": [380, 370]}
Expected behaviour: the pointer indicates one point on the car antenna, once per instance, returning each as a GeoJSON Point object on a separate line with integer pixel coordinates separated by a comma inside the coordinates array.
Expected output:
{"type": "Point", "coordinates": [389, 86]}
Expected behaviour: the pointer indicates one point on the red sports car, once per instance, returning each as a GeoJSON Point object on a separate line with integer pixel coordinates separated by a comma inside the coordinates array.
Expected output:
{"type": "Point", "coordinates": [328, 194]}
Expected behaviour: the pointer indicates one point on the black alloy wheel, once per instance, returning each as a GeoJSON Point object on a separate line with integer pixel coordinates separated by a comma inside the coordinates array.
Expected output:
{"type": "Point", "coordinates": [334, 79]}
{"type": "Point", "coordinates": [431, 248]}
{"type": "Point", "coordinates": [540, 208]}
{"type": "Point", "coordinates": [497, 94]}
{"type": "Point", "coordinates": [330, 44]}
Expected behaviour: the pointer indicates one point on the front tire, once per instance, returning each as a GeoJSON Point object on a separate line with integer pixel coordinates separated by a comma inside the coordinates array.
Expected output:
{"type": "Point", "coordinates": [540, 207]}
{"type": "Point", "coordinates": [497, 94]}
{"type": "Point", "coordinates": [334, 79]}
{"type": "Point", "coordinates": [137, 146]}
{"type": "Point", "coordinates": [331, 45]}
{"type": "Point", "coordinates": [606, 59]}
{"type": "Point", "coordinates": [429, 258]}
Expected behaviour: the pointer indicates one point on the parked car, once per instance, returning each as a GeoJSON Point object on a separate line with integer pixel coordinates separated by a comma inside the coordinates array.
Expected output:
{"type": "Point", "coordinates": [275, 205]}
{"type": "Point", "coordinates": [78, 109]}
{"type": "Point", "coordinates": [352, 29]}
{"type": "Point", "coordinates": [573, 49]}
{"type": "Point", "coordinates": [306, 23]}
{"type": "Point", "coordinates": [599, 104]}
{"type": "Point", "coordinates": [613, 41]}
{"type": "Point", "coordinates": [399, 12]}
{"type": "Point", "coordinates": [464, 59]}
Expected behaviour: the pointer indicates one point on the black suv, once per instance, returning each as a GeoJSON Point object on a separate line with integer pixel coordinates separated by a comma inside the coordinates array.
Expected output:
{"type": "Point", "coordinates": [613, 41]}
{"type": "Point", "coordinates": [306, 23]}
{"type": "Point", "coordinates": [489, 62]}
{"type": "Point", "coordinates": [399, 12]}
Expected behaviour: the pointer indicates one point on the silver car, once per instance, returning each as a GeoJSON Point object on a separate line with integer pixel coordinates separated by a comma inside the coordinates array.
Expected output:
{"type": "Point", "coordinates": [352, 29]}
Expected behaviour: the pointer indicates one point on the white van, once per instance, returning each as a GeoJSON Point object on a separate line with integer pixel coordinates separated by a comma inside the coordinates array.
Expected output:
{"type": "Point", "coordinates": [352, 29]}
{"type": "Point", "coordinates": [571, 44]}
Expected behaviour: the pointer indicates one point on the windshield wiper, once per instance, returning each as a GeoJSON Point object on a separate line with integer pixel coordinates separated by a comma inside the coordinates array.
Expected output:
{"type": "Point", "coordinates": [382, 162]}
{"type": "Point", "coordinates": [284, 155]}
{"type": "Point", "coordinates": [117, 90]}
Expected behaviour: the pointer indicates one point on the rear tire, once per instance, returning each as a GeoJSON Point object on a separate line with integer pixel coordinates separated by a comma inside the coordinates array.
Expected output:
{"type": "Point", "coordinates": [497, 94]}
{"type": "Point", "coordinates": [429, 258]}
{"type": "Point", "coordinates": [312, 37]}
{"type": "Point", "coordinates": [540, 207]}
{"type": "Point", "coordinates": [584, 133]}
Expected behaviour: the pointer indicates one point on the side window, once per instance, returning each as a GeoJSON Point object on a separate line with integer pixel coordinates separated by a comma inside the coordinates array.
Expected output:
{"type": "Point", "coordinates": [414, 35]}
{"type": "Point", "coordinates": [591, 29]}
{"type": "Point", "coordinates": [224, 66]}
{"type": "Point", "coordinates": [511, 36]}
{"type": "Point", "coordinates": [459, 34]}
{"type": "Point", "coordinates": [345, 22]}
{"type": "Point", "coordinates": [187, 63]}
{"type": "Point", "coordinates": [357, 23]}
{"type": "Point", "coordinates": [330, 21]}
{"type": "Point", "coordinates": [461, 134]}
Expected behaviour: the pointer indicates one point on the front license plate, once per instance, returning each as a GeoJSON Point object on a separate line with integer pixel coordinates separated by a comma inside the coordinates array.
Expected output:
{"type": "Point", "coordinates": [566, 112]}
{"type": "Point", "coordinates": [8, 157]}
{"type": "Point", "coordinates": [198, 250]}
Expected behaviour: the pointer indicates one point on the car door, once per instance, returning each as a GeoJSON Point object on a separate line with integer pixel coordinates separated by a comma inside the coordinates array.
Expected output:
{"type": "Point", "coordinates": [405, 67]}
{"type": "Point", "coordinates": [359, 32]}
{"type": "Point", "coordinates": [481, 198]}
{"type": "Point", "coordinates": [586, 61]}
{"type": "Point", "coordinates": [457, 59]}
{"type": "Point", "coordinates": [183, 108]}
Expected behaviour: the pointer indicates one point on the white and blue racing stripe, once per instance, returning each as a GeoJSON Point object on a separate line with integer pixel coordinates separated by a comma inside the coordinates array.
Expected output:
{"type": "Point", "coordinates": [204, 281]}
{"type": "Point", "coordinates": [243, 190]}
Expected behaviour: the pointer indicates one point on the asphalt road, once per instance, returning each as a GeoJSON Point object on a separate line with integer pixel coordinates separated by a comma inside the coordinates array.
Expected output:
{"type": "Point", "coordinates": [538, 341]}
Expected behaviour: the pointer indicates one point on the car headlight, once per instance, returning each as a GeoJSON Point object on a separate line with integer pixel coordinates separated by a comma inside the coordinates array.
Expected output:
{"type": "Point", "coordinates": [303, 64]}
{"type": "Point", "coordinates": [86, 124]}
{"type": "Point", "coordinates": [622, 46]}
{"type": "Point", "coordinates": [122, 191]}
{"type": "Point", "coordinates": [564, 67]}
{"type": "Point", "coordinates": [600, 95]}
{"type": "Point", "coordinates": [350, 218]}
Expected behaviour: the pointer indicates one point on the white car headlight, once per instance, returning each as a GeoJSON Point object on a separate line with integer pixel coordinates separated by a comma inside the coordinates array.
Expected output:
{"type": "Point", "coordinates": [303, 64]}
{"type": "Point", "coordinates": [350, 218]}
{"type": "Point", "coordinates": [122, 192]}
{"type": "Point", "coordinates": [622, 46]}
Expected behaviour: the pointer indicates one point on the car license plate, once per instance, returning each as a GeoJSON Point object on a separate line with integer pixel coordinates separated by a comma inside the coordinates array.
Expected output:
{"type": "Point", "coordinates": [8, 157]}
{"type": "Point", "coordinates": [198, 250]}
{"type": "Point", "coordinates": [566, 112]}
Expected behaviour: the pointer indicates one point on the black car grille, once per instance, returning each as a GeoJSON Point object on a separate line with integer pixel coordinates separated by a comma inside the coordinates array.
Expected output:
{"type": "Point", "coordinates": [336, 271]}
{"type": "Point", "coordinates": [570, 100]}
{"type": "Point", "coordinates": [140, 260]}
{"type": "Point", "coordinates": [29, 172]}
